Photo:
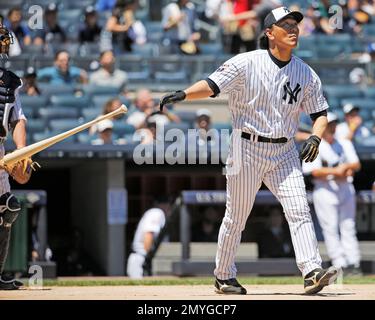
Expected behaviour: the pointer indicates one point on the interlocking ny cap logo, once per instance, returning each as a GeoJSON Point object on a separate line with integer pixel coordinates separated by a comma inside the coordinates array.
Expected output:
{"type": "Point", "coordinates": [293, 94]}
{"type": "Point", "coordinates": [286, 10]}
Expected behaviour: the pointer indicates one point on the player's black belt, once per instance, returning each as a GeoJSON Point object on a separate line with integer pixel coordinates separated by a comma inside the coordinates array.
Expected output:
{"type": "Point", "coordinates": [252, 137]}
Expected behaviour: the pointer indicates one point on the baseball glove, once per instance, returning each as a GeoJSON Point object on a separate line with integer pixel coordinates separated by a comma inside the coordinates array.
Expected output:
{"type": "Point", "coordinates": [21, 170]}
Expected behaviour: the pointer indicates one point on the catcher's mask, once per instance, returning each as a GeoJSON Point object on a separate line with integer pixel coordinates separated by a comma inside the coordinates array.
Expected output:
{"type": "Point", "coordinates": [6, 39]}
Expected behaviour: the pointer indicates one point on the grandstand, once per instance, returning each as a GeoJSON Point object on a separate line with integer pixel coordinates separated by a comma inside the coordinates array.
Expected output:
{"type": "Point", "coordinates": [88, 173]}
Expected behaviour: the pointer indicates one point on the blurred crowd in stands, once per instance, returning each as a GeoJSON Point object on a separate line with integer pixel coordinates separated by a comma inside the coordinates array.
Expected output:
{"type": "Point", "coordinates": [90, 55]}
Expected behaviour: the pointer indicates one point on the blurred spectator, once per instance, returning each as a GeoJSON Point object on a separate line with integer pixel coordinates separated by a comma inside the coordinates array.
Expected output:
{"type": "Point", "coordinates": [14, 48]}
{"type": "Point", "coordinates": [148, 229]}
{"type": "Point", "coordinates": [178, 22]}
{"type": "Point", "coordinates": [352, 128]}
{"type": "Point", "coordinates": [51, 32]}
{"type": "Point", "coordinates": [362, 10]}
{"type": "Point", "coordinates": [147, 135]}
{"type": "Point", "coordinates": [62, 72]}
{"type": "Point", "coordinates": [209, 226]}
{"type": "Point", "coordinates": [334, 197]}
{"type": "Point", "coordinates": [244, 36]}
{"type": "Point", "coordinates": [15, 24]}
{"type": "Point", "coordinates": [214, 10]}
{"type": "Point", "coordinates": [368, 56]}
{"type": "Point", "coordinates": [110, 105]}
{"type": "Point", "coordinates": [275, 241]}
{"type": "Point", "coordinates": [105, 5]}
{"type": "Point", "coordinates": [107, 75]}
{"type": "Point", "coordinates": [307, 25]}
{"type": "Point", "coordinates": [323, 14]}
{"type": "Point", "coordinates": [30, 86]}
{"type": "Point", "coordinates": [90, 32]}
{"type": "Point", "coordinates": [146, 106]}
{"type": "Point", "coordinates": [203, 124]}
{"type": "Point", "coordinates": [122, 27]}
{"type": "Point", "coordinates": [104, 130]}
{"type": "Point", "coordinates": [358, 77]}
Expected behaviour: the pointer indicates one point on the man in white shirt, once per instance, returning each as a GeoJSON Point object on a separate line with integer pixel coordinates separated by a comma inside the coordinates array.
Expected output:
{"type": "Point", "coordinates": [148, 229]}
{"type": "Point", "coordinates": [178, 22]}
{"type": "Point", "coordinates": [334, 196]}
{"type": "Point", "coordinates": [352, 128]}
{"type": "Point", "coordinates": [108, 75]}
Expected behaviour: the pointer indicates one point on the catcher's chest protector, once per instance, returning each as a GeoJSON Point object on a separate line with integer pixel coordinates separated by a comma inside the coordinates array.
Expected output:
{"type": "Point", "coordinates": [9, 82]}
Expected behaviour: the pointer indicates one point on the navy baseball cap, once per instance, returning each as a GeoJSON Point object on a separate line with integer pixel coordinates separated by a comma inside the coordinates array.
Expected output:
{"type": "Point", "coordinates": [279, 14]}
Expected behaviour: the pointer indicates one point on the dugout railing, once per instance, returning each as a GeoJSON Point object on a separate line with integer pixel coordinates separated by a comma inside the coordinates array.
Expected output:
{"type": "Point", "coordinates": [269, 266]}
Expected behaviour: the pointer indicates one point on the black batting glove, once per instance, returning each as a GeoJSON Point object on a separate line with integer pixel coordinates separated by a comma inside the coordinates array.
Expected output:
{"type": "Point", "coordinates": [171, 98]}
{"type": "Point", "coordinates": [310, 149]}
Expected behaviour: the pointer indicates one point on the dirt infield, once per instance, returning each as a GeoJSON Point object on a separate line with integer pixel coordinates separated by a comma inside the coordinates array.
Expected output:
{"type": "Point", "coordinates": [191, 292]}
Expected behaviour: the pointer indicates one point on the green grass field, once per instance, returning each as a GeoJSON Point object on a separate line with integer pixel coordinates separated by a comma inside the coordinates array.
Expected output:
{"type": "Point", "coordinates": [192, 281]}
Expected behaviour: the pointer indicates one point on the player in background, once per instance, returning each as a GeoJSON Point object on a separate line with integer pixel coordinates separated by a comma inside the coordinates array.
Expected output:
{"type": "Point", "coordinates": [334, 197]}
{"type": "Point", "coordinates": [148, 229]}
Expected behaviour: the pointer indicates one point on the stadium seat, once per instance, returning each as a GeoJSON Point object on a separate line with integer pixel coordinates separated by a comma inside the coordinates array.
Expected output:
{"type": "Point", "coordinates": [222, 126]}
{"type": "Point", "coordinates": [120, 128]}
{"type": "Point", "coordinates": [174, 77]}
{"type": "Point", "coordinates": [370, 92]}
{"type": "Point", "coordinates": [369, 124]}
{"type": "Point", "coordinates": [186, 116]}
{"type": "Point", "coordinates": [334, 103]}
{"type": "Point", "coordinates": [369, 30]}
{"type": "Point", "coordinates": [343, 91]}
{"type": "Point", "coordinates": [43, 61]}
{"type": "Point", "coordinates": [364, 103]}
{"type": "Point", "coordinates": [29, 112]}
{"type": "Point", "coordinates": [70, 101]}
{"type": "Point", "coordinates": [145, 50]}
{"type": "Point", "coordinates": [93, 89]}
{"type": "Point", "coordinates": [132, 62]}
{"type": "Point", "coordinates": [85, 138]}
{"type": "Point", "coordinates": [38, 136]}
{"type": "Point", "coordinates": [35, 125]}
{"type": "Point", "coordinates": [33, 101]}
{"type": "Point", "coordinates": [366, 114]}
{"type": "Point", "coordinates": [48, 89]}
{"type": "Point", "coordinates": [307, 43]}
{"type": "Point", "coordinates": [58, 113]}
{"type": "Point", "coordinates": [91, 113]}
{"type": "Point", "coordinates": [61, 125]}
{"type": "Point", "coordinates": [329, 52]}
{"type": "Point", "coordinates": [138, 76]}
{"type": "Point", "coordinates": [88, 62]}
{"type": "Point", "coordinates": [210, 48]}
{"type": "Point", "coordinates": [18, 63]}
{"type": "Point", "coordinates": [369, 141]}
{"type": "Point", "coordinates": [181, 126]}
{"type": "Point", "coordinates": [100, 100]}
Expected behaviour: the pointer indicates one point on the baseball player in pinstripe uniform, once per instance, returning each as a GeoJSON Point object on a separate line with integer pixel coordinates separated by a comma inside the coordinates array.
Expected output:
{"type": "Point", "coordinates": [334, 197]}
{"type": "Point", "coordinates": [11, 117]}
{"type": "Point", "coordinates": [267, 88]}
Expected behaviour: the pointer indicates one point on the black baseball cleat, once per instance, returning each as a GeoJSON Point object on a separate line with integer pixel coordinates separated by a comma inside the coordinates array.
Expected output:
{"type": "Point", "coordinates": [229, 286]}
{"type": "Point", "coordinates": [319, 278]}
{"type": "Point", "coordinates": [9, 284]}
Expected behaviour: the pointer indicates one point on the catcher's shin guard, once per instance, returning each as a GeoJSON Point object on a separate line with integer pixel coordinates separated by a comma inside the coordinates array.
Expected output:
{"type": "Point", "coordinates": [9, 210]}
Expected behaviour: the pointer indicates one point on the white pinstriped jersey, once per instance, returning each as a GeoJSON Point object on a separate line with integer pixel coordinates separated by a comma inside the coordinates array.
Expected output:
{"type": "Point", "coordinates": [265, 99]}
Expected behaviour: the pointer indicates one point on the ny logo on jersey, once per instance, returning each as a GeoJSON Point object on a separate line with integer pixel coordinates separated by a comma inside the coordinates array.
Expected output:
{"type": "Point", "coordinates": [293, 94]}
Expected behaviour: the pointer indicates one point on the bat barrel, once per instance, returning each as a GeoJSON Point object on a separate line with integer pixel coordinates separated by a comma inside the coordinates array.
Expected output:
{"type": "Point", "coordinates": [36, 147]}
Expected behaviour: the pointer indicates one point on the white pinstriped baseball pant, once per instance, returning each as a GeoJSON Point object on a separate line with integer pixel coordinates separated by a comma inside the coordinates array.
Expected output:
{"type": "Point", "coordinates": [278, 166]}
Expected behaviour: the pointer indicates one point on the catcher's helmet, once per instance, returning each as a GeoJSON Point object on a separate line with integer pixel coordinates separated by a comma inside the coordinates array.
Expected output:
{"type": "Point", "coordinates": [6, 39]}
